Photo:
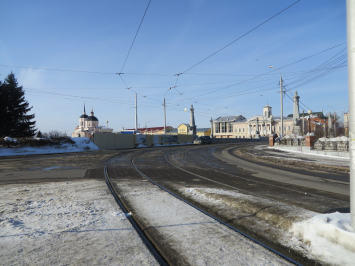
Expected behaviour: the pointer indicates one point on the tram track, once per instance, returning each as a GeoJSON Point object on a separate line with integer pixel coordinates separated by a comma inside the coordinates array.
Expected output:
{"type": "Point", "coordinates": [301, 193]}
{"type": "Point", "coordinates": [153, 250]}
{"type": "Point", "coordinates": [153, 166]}
{"type": "Point", "coordinates": [212, 216]}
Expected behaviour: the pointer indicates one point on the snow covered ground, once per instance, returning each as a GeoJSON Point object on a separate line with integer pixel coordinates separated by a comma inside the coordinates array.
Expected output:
{"type": "Point", "coordinates": [190, 237]}
{"type": "Point", "coordinates": [66, 223]}
{"type": "Point", "coordinates": [328, 238]}
{"type": "Point", "coordinates": [81, 144]}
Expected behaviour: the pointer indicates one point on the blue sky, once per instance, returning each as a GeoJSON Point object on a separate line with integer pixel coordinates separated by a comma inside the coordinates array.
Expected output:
{"type": "Point", "coordinates": [66, 52]}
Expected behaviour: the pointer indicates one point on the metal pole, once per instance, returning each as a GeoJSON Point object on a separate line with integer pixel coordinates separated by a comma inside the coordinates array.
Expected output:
{"type": "Point", "coordinates": [282, 119]}
{"type": "Point", "coordinates": [303, 125]}
{"type": "Point", "coordinates": [282, 115]}
{"type": "Point", "coordinates": [350, 16]}
{"type": "Point", "coordinates": [335, 127]}
{"type": "Point", "coordinates": [136, 113]}
{"type": "Point", "coordinates": [164, 112]}
{"type": "Point", "coordinates": [164, 117]}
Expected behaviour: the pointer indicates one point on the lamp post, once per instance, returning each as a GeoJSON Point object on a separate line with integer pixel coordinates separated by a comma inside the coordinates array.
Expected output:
{"type": "Point", "coordinates": [164, 112]}
{"type": "Point", "coordinates": [282, 120]}
{"type": "Point", "coordinates": [335, 127]}
{"type": "Point", "coordinates": [107, 124]}
{"type": "Point", "coordinates": [309, 121]}
{"type": "Point", "coordinates": [146, 130]}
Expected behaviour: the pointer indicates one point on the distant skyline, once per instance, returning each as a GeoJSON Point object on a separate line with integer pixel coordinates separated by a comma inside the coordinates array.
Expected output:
{"type": "Point", "coordinates": [67, 53]}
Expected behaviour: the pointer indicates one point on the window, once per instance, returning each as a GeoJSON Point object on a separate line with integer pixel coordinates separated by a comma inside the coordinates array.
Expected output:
{"type": "Point", "coordinates": [289, 128]}
{"type": "Point", "coordinates": [265, 113]}
{"type": "Point", "coordinates": [217, 127]}
{"type": "Point", "coordinates": [223, 127]}
{"type": "Point", "coordinates": [239, 129]}
{"type": "Point", "coordinates": [243, 129]}
{"type": "Point", "coordinates": [279, 128]}
{"type": "Point", "coordinates": [230, 127]}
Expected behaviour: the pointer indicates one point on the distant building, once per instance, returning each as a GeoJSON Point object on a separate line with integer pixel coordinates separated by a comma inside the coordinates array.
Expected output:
{"type": "Point", "coordinates": [203, 132]}
{"type": "Point", "coordinates": [153, 130]}
{"type": "Point", "coordinates": [88, 125]}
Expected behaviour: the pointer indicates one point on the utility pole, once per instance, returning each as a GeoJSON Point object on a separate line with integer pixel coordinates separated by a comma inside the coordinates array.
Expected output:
{"type": "Point", "coordinates": [136, 113]}
{"type": "Point", "coordinates": [282, 115]}
{"type": "Point", "coordinates": [303, 125]}
{"type": "Point", "coordinates": [350, 17]}
{"type": "Point", "coordinates": [164, 112]}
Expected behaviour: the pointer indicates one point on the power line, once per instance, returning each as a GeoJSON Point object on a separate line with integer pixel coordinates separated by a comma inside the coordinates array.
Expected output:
{"type": "Point", "coordinates": [242, 36]}
{"type": "Point", "coordinates": [135, 36]}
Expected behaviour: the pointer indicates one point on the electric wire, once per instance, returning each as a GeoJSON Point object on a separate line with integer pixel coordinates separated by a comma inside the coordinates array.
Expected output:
{"type": "Point", "coordinates": [135, 36]}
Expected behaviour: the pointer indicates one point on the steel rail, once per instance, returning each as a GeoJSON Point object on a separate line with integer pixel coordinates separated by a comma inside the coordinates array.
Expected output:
{"type": "Point", "coordinates": [156, 254]}
{"type": "Point", "coordinates": [215, 218]}
{"type": "Point", "coordinates": [264, 183]}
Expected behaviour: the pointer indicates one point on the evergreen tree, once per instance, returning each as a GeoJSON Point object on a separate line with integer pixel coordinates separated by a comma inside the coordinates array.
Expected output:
{"type": "Point", "coordinates": [39, 134]}
{"type": "Point", "coordinates": [14, 120]}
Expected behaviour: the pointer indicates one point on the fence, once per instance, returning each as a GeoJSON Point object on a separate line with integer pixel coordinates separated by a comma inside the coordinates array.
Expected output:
{"type": "Point", "coordinates": [111, 141]}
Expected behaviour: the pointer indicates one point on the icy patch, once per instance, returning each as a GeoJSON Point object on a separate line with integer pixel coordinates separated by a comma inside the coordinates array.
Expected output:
{"type": "Point", "coordinates": [329, 236]}
{"type": "Point", "coordinates": [81, 144]}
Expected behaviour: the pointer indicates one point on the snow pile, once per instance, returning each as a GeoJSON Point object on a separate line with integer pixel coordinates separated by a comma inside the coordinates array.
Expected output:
{"type": "Point", "coordinates": [342, 138]}
{"type": "Point", "coordinates": [141, 146]}
{"type": "Point", "coordinates": [329, 236]}
{"type": "Point", "coordinates": [10, 139]}
{"type": "Point", "coordinates": [291, 136]}
{"type": "Point", "coordinates": [81, 144]}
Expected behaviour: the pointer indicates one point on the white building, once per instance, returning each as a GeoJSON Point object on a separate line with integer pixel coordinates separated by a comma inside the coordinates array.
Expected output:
{"type": "Point", "coordinates": [88, 125]}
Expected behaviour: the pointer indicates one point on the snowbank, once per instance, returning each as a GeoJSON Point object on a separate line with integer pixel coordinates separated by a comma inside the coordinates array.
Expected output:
{"type": "Point", "coordinates": [342, 138]}
{"type": "Point", "coordinates": [329, 236]}
{"type": "Point", "coordinates": [81, 144]}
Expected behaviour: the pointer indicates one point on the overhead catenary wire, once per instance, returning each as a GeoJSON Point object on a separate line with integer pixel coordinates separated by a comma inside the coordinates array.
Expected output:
{"type": "Point", "coordinates": [241, 36]}
{"type": "Point", "coordinates": [129, 51]}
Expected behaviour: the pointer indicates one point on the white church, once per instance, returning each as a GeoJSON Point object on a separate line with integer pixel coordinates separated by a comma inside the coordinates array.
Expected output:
{"type": "Point", "coordinates": [88, 125]}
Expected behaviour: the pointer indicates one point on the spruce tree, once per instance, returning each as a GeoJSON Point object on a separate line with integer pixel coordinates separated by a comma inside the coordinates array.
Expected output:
{"type": "Point", "coordinates": [14, 120]}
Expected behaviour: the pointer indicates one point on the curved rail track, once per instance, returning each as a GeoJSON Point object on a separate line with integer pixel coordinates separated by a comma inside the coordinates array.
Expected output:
{"type": "Point", "coordinates": [213, 217]}
{"type": "Point", "coordinates": [201, 171]}
{"type": "Point", "coordinates": [148, 243]}
{"type": "Point", "coordinates": [160, 259]}
{"type": "Point", "coordinates": [302, 193]}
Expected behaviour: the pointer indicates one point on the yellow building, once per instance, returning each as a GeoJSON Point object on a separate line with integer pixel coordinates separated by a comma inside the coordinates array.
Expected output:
{"type": "Point", "coordinates": [203, 132]}
{"type": "Point", "coordinates": [183, 129]}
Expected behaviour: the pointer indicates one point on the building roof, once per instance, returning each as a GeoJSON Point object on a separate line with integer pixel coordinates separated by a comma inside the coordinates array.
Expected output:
{"type": "Point", "coordinates": [92, 118]}
{"type": "Point", "coordinates": [318, 114]}
{"type": "Point", "coordinates": [202, 129]}
{"type": "Point", "coordinates": [232, 118]}
{"type": "Point", "coordinates": [151, 128]}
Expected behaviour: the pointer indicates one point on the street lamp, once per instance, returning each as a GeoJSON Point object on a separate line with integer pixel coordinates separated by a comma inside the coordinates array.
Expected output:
{"type": "Point", "coordinates": [107, 123]}
{"type": "Point", "coordinates": [282, 121]}
{"type": "Point", "coordinates": [164, 112]}
{"type": "Point", "coordinates": [309, 121]}
{"type": "Point", "coordinates": [146, 130]}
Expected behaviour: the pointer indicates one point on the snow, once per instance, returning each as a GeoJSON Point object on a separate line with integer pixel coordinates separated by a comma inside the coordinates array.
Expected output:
{"type": "Point", "coordinates": [342, 138]}
{"type": "Point", "coordinates": [329, 236]}
{"type": "Point", "coordinates": [195, 238]}
{"type": "Point", "coordinates": [10, 139]}
{"type": "Point", "coordinates": [81, 144]}
{"type": "Point", "coordinates": [66, 223]}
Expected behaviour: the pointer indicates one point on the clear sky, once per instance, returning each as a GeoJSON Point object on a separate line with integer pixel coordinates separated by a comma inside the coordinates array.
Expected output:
{"type": "Point", "coordinates": [65, 53]}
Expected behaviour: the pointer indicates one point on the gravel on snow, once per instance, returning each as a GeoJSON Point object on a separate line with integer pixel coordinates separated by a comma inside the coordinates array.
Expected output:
{"type": "Point", "coordinates": [62, 223]}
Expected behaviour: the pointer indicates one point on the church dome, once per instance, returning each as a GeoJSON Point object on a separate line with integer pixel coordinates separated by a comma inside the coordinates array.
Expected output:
{"type": "Point", "coordinates": [84, 116]}
{"type": "Point", "coordinates": [92, 118]}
